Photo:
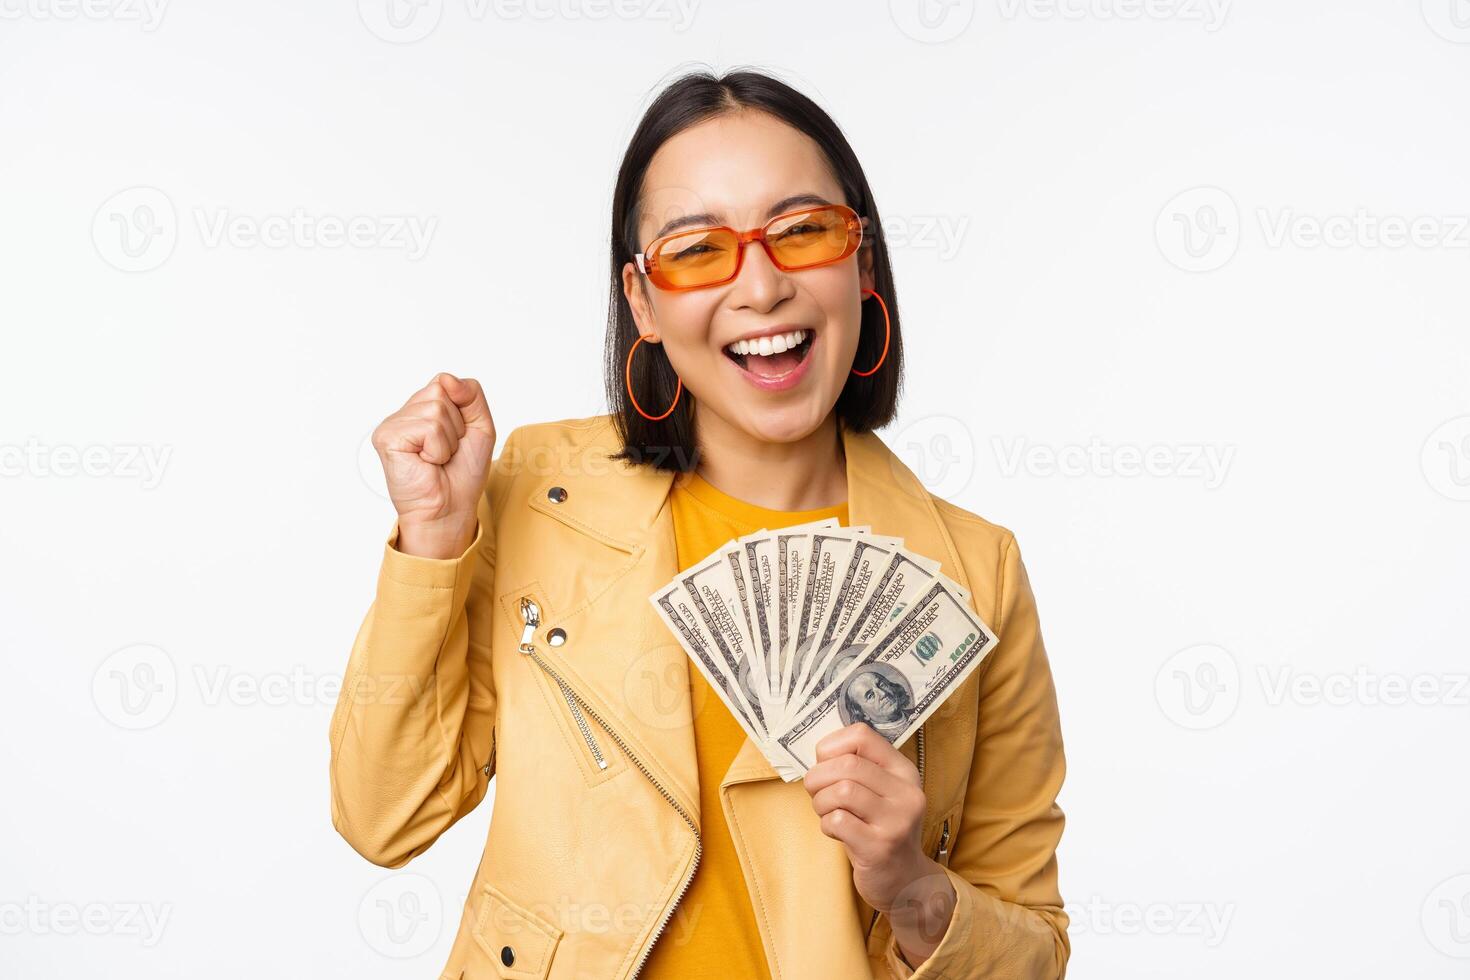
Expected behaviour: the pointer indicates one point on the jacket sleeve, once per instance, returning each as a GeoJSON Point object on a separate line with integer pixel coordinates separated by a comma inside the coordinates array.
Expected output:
{"type": "Point", "coordinates": [1008, 922]}
{"type": "Point", "coordinates": [412, 733]}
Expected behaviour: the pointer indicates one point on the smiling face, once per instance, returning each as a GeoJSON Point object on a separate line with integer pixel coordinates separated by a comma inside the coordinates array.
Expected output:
{"type": "Point", "coordinates": [769, 351]}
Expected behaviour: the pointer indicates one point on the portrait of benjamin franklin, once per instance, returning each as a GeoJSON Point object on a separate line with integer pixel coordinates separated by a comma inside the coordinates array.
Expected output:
{"type": "Point", "coordinates": [879, 695]}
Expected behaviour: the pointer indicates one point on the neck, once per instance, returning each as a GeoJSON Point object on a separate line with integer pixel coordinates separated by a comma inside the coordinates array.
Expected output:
{"type": "Point", "coordinates": [802, 475]}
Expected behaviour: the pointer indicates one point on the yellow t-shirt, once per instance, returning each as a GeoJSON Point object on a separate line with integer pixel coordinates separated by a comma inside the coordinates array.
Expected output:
{"type": "Point", "coordinates": [713, 935]}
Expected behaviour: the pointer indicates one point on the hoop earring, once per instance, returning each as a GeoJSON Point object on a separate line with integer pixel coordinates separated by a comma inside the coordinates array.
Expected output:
{"type": "Point", "coordinates": [628, 380]}
{"type": "Point", "coordinates": [887, 332]}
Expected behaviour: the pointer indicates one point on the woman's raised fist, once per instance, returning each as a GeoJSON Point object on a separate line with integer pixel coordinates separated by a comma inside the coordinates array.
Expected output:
{"type": "Point", "coordinates": [436, 453]}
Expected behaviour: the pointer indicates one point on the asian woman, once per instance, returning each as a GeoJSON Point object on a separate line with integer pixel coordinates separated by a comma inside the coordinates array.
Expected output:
{"type": "Point", "coordinates": [753, 348]}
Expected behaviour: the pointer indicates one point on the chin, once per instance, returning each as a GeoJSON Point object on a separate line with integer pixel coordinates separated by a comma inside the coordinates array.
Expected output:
{"type": "Point", "coordinates": [789, 423]}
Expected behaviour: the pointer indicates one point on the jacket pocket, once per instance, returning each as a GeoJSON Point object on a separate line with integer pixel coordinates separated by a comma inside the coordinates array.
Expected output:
{"type": "Point", "coordinates": [519, 942]}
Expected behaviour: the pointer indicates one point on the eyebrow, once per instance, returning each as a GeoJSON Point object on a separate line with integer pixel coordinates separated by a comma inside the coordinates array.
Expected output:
{"type": "Point", "coordinates": [704, 219]}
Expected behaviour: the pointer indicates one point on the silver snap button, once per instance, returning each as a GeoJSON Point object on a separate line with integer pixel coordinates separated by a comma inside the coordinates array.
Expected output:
{"type": "Point", "coordinates": [556, 494]}
{"type": "Point", "coordinates": [557, 637]}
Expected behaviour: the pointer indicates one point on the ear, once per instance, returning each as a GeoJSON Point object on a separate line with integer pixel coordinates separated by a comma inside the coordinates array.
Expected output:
{"type": "Point", "coordinates": [636, 293]}
{"type": "Point", "coordinates": [865, 260]}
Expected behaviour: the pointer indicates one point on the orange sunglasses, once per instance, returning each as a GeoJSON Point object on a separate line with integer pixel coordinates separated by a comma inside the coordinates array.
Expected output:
{"type": "Point", "coordinates": [700, 257]}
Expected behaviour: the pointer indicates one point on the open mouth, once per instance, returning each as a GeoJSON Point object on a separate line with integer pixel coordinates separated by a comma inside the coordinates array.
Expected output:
{"type": "Point", "coordinates": [774, 356]}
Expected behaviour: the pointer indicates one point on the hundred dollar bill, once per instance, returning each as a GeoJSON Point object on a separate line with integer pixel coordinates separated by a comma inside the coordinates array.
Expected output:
{"type": "Point", "coordinates": [757, 553]}
{"type": "Point", "coordinates": [860, 567]}
{"type": "Point", "coordinates": [830, 552]}
{"type": "Point", "coordinates": [793, 551]}
{"type": "Point", "coordinates": [721, 597]}
{"type": "Point", "coordinates": [901, 677]}
{"type": "Point", "coordinates": [876, 589]}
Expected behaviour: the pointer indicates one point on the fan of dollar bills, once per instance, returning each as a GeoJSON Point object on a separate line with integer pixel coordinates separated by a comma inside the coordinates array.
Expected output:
{"type": "Point", "coordinates": [806, 629]}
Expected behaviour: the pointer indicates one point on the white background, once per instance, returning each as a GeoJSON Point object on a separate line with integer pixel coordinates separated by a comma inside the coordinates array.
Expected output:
{"type": "Point", "coordinates": [1169, 228]}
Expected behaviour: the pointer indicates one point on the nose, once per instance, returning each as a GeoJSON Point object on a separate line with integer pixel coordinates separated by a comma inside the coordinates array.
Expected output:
{"type": "Point", "coordinates": [760, 284]}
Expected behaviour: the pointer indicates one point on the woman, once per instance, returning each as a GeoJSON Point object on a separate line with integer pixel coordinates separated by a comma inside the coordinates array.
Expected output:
{"type": "Point", "coordinates": [636, 830]}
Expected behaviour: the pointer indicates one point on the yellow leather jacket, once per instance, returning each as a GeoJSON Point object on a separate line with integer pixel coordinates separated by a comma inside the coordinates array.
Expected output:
{"type": "Point", "coordinates": [536, 658]}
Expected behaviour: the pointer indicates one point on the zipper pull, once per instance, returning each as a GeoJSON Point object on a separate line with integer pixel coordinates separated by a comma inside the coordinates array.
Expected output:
{"type": "Point", "coordinates": [531, 616]}
{"type": "Point", "coordinates": [942, 855]}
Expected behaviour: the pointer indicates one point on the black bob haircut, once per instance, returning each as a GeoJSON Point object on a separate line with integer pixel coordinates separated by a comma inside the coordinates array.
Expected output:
{"type": "Point", "coordinates": [865, 403]}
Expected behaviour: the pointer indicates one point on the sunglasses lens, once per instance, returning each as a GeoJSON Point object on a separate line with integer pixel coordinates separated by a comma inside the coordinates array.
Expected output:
{"type": "Point", "coordinates": [810, 237]}
{"type": "Point", "coordinates": [697, 258]}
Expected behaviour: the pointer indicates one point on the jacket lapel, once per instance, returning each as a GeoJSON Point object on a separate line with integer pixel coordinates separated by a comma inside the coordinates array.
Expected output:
{"type": "Point", "coordinates": [624, 506]}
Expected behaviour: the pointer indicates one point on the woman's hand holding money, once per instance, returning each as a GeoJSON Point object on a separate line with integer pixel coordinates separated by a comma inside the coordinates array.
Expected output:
{"type": "Point", "coordinates": [868, 796]}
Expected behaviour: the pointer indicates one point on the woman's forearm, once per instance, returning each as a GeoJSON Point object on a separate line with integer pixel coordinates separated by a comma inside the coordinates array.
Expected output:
{"type": "Point", "coordinates": [922, 919]}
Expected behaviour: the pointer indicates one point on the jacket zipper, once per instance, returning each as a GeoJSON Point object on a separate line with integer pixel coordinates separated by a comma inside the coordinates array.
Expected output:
{"type": "Point", "coordinates": [919, 735]}
{"type": "Point", "coordinates": [941, 853]}
{"type": "Point", "coordinates": [531, 617]}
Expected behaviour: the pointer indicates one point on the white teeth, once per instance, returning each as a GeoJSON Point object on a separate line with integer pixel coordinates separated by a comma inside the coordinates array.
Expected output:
{"type": "Point", "coordinates": [766, 346]}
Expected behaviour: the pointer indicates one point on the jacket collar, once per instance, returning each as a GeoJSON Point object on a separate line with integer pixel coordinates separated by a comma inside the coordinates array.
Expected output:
{"type": "Point", "coordinates": [882, 492]}
{"type": "Point", "coordinates": [625, 507]}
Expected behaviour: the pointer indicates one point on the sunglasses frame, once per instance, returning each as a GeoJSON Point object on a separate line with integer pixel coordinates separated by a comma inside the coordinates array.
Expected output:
{"type": "Point", "coordinates": [647, 260]}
